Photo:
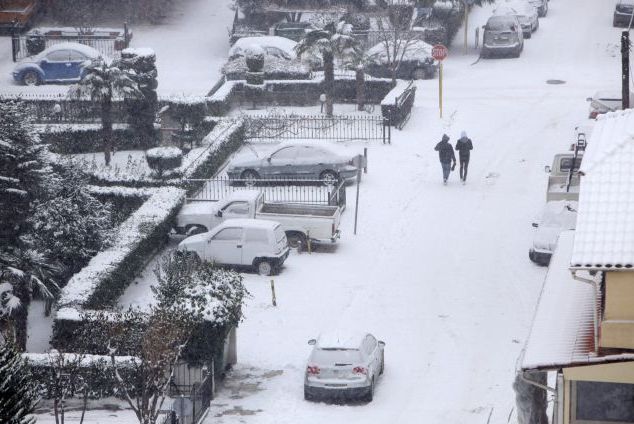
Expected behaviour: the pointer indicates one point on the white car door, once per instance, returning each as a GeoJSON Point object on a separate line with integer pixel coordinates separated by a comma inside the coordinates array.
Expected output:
{"type": "Point", "coordinates": [373, 355]}
{"type": "Point", "coordinates": [225, 247]}
{"type": "Point", "coordinates": [256, 243]}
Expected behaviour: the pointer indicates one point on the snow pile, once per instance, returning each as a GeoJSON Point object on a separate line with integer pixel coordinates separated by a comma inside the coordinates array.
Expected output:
{"type": "Point", "coordinates": [139, 52]}
{"type": "Point", "coordinates": [160, 205]}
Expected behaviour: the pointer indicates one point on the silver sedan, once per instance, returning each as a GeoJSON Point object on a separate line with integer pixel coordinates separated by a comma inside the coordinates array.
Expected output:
{"type": "Point", "coordinates": [296, 161]}
{"type": "Point", "coordinates": [344, 366]}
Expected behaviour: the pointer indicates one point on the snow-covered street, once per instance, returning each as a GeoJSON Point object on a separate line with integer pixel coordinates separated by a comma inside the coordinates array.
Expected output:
{"type": "Point", "coordinates": [441, 274]}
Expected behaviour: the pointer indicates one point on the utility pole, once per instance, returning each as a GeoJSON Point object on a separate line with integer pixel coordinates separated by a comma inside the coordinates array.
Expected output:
{"type": "Point", "coordinates": [625, 69]}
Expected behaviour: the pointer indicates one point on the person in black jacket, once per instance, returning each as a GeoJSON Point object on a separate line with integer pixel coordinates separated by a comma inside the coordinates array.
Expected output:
{"type": "Point", "coordinates": [446, 156]}
{"type": "Point", "coordinates": [464, 147]}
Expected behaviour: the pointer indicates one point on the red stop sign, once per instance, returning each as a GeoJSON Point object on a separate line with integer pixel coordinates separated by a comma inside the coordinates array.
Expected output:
{"type": "Point", "coordinates": [439, 52]}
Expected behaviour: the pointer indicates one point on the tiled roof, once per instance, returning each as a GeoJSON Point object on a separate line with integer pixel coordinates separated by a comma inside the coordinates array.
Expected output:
{"type": "Point", "coordinates": [605, 225]}
{"type": "Point", "coordinates": [562, 333]}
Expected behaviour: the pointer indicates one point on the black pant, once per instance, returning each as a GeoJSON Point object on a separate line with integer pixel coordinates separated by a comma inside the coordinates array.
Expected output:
{"type": "Point", "coordinates": [464, 164]}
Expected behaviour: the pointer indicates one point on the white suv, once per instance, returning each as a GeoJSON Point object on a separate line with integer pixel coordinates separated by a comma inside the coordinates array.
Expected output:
{"type": "Point", "coordinates": [260, 244]}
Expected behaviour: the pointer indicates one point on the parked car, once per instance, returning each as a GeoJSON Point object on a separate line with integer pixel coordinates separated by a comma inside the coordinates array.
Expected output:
{"type": "Point", "coordinates": [317, 223]}
{"type": "Point", "coordinates": [296, 160]}
{"type": "Point", "coordinates": [62, 62]}
{"type": "Point", "coordinates": [525, 13]}
{"type": "Point", "coordinates": [541, 6]}
{"type": "Point", "coordinates": [623, 11]}
{"type": "Point", "coordinates": [563, 177]}
{"type": "Point", "coordinates": [502, 35]}
{"type": "Point", "coordinates": [344, 366]}
{"type": "Point", "coordinates": [273, 46]}
{"type": "Point", "coordinates": [605, 101]}
{"type": "Point", "coordinates": [558, 216]}
{"type": "Point", "coordinates": [292, 30]}
{"type": "Point", "coordinates": [417, 61]}
{"type": "Point", "coordinates": [255, 243]}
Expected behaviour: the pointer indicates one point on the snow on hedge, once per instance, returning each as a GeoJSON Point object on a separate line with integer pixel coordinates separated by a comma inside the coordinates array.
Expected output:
{"type": "Point", "coordinates": [397, 91]}
{"type": "Point", "coordinates": [160, 203]}
{"type": "Point", "coordinates": [139, 52]}
{"type": "Point", "coordinates": [51, 359]}
{"type": "Point", "coordinates": [164, 153]}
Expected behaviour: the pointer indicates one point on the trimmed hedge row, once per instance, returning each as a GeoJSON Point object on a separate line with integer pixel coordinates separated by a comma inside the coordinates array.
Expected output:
{"type": "Point", "coordinates": [87, 138]}
{"type": "Point", "coordinates": [92, 370]}
{"type": "Point", "coordinates": [106, 276]}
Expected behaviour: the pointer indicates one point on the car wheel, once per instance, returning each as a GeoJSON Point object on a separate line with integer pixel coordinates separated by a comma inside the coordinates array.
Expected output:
{"type": "Point", "coordinates": [370, 396]}
{"type": "Point", "coordinates": [250, 177]}
{"type": "Point", "coordinates": [329, 178]}
{"type": "Point", "coordinates": [296, 240]}
{"type": "Point", "coordinates": [264, 267]}
{"type": "Point", "coordinates": [31, 78]}
{"type": "Point", "coordinates": [191, 230]}
{"type": "Point", "coordinates": [418, 74]}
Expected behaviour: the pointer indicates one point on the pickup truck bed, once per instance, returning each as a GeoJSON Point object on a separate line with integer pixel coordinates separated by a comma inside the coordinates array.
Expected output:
{"type": "Point", "coordinates": [303, 210]}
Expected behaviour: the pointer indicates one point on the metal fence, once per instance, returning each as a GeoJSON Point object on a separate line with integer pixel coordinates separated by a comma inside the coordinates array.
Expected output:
{"type": "Point", "coordinates": [26, 45]}
{"type": "Point", "coordinates": [276, 190]}
{"type": "Point", "coordinates": [316, 127]}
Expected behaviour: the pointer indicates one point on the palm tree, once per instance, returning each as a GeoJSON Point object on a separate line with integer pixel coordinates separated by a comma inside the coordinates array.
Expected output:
{"type": "Point", "coordinates": [101, 83]}
{"type": "Point", "coordinates": [333, 40]}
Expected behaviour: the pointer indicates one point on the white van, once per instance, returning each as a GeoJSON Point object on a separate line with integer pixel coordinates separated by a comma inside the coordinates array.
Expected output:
{"type": "Point", "coordinates": [260, 244]}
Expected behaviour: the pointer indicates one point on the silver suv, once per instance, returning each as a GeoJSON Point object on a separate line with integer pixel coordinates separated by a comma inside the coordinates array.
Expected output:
{"type": "Point", "coordinates": [502, 36]}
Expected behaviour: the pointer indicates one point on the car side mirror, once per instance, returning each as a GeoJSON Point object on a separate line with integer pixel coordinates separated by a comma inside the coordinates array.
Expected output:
{"type": "Point", "coordinates": [535, 224]}
{"type": "Point", "coordinates": [547, 169]}
{"type": "Point", "coordinates": [312, 342]}
{"type": "Point", "coordinates": [381, 343]}
{"type": "Point", "coordinates": [219, 214]}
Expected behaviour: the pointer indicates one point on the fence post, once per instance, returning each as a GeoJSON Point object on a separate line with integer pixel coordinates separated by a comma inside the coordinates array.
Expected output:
{"type": "Point", "coordinates": [15, 42]}
{"type": "Point", "coordinates": [477, 37]}
{"type": "Point", "coordinates": [365, 160]}
{"type": "Point", "coordinates": [273, 299]}
{"type": "Point", "coordinates": [356, 206]}
{"type": "Point", "coordinates": [126, 35]}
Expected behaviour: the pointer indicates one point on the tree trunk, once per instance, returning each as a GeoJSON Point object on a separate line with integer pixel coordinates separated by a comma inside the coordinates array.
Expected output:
{"type": "Point", "coordinates": [360, 79]}
{"type": "Point", "coordinates": [329, 80]}
{"type": "Point", "coordinates": [106, 127]}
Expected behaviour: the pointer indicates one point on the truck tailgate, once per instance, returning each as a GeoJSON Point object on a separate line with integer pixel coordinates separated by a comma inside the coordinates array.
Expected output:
{"type": "Point", "coordinates": [319, 222]}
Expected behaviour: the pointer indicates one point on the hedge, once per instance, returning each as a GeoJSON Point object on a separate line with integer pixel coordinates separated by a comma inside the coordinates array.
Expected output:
{"type": "Point", "coordinates": [87, 138]}
{"type": "Point", "coordinates": [107, 275]}
{"type": "Point", "coordinates": [93, 370]}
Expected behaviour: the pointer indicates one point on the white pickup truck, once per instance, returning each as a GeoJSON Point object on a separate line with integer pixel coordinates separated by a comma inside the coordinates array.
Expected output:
{"type": "Point", "coordinates": [300, 222]}
{"type": "Point", "coordinates": [563, 182]}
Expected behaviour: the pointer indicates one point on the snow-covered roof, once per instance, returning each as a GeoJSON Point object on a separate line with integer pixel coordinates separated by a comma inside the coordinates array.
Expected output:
{"type": "Point", "coordinates": [341, 339]}
{"type": "Point", "coordinates": [605, 225]}
{"type": "Point", "coordinates": [562, 333]}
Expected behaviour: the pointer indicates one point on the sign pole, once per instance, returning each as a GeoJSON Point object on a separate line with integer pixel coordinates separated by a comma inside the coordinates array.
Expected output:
{"type": "Point", "coordinates": [440, 88]}
{"type": "Point", "coordinates": [466, 26]}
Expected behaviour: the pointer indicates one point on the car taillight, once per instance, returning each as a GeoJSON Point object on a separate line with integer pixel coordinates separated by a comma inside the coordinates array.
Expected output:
{"type": "Point", "coordinates": [360, 370]}
{"type": "Point", "coordinates": [312, 369]}
{"type": "Point", "coordinates": [594, 114]}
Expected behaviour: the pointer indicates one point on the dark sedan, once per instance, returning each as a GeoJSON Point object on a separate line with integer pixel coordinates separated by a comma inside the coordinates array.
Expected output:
{"type": "Point", "coordinates": [415, 60]}
{"type": "Point", "coordinates": [623, 13]}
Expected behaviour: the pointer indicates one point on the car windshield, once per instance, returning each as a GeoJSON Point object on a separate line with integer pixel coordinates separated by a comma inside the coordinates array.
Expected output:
{"type": "Point", "coordinates": [500, 24]}
{"type": "Point", "coordinates": [279, 234]}
{"type": "Point", "coordinates": [336, 356]}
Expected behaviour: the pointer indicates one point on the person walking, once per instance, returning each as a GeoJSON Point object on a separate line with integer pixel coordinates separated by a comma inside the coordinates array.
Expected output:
{"type": "Point", "coordinates": [446, 156]}
{"type": "Point", "coordinates": [464, 147]}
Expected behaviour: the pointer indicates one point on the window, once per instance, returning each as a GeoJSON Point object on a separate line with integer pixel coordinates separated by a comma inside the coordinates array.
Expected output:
{"type": "Point", "coordinates": [285, 153]}
{"type": "Point", "coordinates": [565, 163]}
{"type": "Point", "coordinates": [77, 56]}
{"type": "Point", "coordinates": [229, 234]}
{"type": "Point", "coordinates": [256, 235]}
{"type": "Point", "coordinates": [58, 56]}
{"type": "Point", "coordinates": [597, 402]}
{"type": "Point", "coordinates": [238, 208]}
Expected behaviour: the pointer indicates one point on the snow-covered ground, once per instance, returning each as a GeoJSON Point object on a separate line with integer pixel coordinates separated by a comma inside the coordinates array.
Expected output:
{"type": "Point", "coordinates": [440, 273]}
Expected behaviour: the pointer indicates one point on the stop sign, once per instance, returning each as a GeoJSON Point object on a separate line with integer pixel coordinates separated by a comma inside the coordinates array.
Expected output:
{"type": "Point", "coordinates": [439, 52]}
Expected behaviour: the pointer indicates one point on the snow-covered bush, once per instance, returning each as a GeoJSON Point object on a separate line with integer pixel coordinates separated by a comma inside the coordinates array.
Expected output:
{"type": "Point", "coordinates": [18, 392]}
{"type": "Point", "coordinates": [255, 58]}
{"type": "Point", "coordinates": [87, 138]}
{"type": "Point", "coordinates": [275, 68]}
{"type": "Point", "coordinates": [162, 159]}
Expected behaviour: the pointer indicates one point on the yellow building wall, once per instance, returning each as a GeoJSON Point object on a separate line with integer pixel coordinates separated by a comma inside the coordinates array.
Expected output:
{"type": "Point", "coordinates": [617, 326]}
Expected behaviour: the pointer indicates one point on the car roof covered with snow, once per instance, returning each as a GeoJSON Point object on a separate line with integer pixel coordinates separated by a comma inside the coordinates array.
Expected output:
{"type": "Point", "coordinates": [282, 43]}
{"type": "Point", "coordinates": [249, 223]}
{"type": "Point", "coordinates": [341, 339]}
{"type": "Point", "coordinates": [414, 50]}
{"type": "Point", "coordinates": [82, 48]}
